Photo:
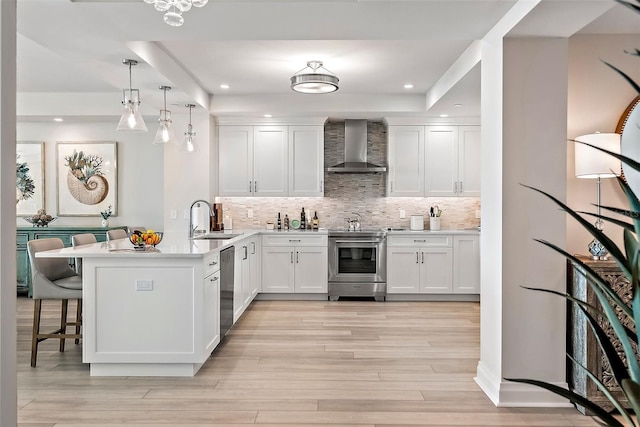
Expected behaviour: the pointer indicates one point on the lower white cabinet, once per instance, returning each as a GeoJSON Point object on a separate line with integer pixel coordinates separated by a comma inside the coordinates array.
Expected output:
{"type": "Point", "coordinates": [433, 264]}
{"type": "Point", "coordinates": [247, 274]}
{"type": "Point", "coordinates": [294, 264]}
{"type": "Point", "coordinates": [211, 311]}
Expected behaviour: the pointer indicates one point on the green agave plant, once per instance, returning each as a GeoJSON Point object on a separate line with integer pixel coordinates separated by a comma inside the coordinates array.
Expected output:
{"type": "Point", "coordinates": [627, 376]}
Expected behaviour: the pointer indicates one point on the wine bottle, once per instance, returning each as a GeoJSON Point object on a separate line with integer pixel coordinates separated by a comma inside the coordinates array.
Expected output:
{"type": "Point", "coordinates": [316, 222]}
{"type": "Point", "coordinates": [279, 222]}
{"type": "Point", "coordinates": [303, 220]}
{"type": "Point", "coordinates": [286, 221]}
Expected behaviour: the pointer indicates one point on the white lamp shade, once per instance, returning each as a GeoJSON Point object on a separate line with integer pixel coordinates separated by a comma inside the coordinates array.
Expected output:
{"type": "Point", "coordinates": [592, 163]}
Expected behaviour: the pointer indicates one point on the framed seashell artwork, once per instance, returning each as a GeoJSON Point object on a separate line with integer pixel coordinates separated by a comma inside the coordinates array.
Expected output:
{"type": "Point", "coordinates": [29, 178]}
{"type": "Point", "coordinates": [86, 177]}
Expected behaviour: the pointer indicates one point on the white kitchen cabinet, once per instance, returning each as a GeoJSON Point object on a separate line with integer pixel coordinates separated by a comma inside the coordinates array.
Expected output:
{"type": "Point", "coordinates": [246, 282]}
{"type": "Point", "coordinates": [406, 161]}
{"type": "Point", "coordinates": [294, 264]}
{"type": "Point", "coordinates": [466, 264]}
{"type": "Point", "coordinates": [211, 311]}
{"type": "Point", "coordinates": [436, 270]}
{"type": "Point", "coordinates": [306, 161]}
{"type": "Point", "coordinates": [271, 161]}
{"type": "Point", "coordinates": [433, 161]}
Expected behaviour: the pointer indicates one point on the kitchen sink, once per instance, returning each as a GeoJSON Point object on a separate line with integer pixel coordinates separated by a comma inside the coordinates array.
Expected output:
{"type": "Point", "coordinates": [217, 236]}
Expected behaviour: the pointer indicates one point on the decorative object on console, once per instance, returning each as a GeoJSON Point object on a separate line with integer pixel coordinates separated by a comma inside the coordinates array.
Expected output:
{"type": "Point", "coordinates": [189, 145]}
{"type": "Point", "coordinates": [86, 178]}
{"type": "Point", "coordinates": [105, 216]}
{"type": "Point", "coordinates": [594, 164]}
{"type": "Point", "coordinates": [175, 8]}
{"type": "Point", "coordinates": [165, 133]}
{"type": "Point", "coordinates": [40, 219]}
{"type": "Point", "coordinates": [29, 178]}
{"type": "Point", "coordinates": [131, 119]}
{"type": "Point", "coordinates": [314, 78]}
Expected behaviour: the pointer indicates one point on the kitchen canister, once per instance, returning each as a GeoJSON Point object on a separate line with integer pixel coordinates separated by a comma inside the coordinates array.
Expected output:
{"type": "Point", "coordinates": [417, 222]}
{"type": "Point", "coordinates": [434, 223]}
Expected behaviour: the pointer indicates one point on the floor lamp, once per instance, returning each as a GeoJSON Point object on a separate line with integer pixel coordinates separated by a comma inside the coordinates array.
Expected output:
{"type": "Point", "coordinates": [594, 164]}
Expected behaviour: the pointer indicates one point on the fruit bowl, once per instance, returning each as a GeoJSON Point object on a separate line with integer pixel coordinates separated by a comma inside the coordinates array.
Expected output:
{"type": "Point", "coordinates": [141, 239]}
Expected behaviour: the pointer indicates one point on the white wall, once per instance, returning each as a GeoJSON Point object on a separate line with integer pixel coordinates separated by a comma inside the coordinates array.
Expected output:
{"type": "Point", "coordinates": [597, 98]}
{"type": "Point", "coordinates": [140, 170]}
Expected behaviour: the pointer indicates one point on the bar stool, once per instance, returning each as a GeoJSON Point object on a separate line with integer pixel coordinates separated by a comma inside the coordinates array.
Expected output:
{"type": "Point", "coordinates": [79, 240]}
{"type": "Point", "coordinates": [52, 278]}
{"type": "Point", "coordinates": [116, 234]}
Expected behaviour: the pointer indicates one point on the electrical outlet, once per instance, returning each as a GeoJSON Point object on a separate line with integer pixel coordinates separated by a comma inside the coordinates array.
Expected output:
{"type": "Point", "coordinates": [144, 285]}
{"type": "Point", "coordinates": [249, 213]}
{"type": "Point", "coordinates": [403, 214]}
{"type": "Point", "coordinates": [173, 214]}
{"type": "Point", "coordinates": [477, 213]}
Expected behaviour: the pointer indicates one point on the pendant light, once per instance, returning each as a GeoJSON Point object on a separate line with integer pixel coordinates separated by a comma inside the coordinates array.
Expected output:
{"type": "Point", "coordinates": [131, 119]}
{"type": "Point", "coordinates": [314, 78]}
{"type": "Point", "coordinates": [165, 133]}
{"type": "Point", "coordinates": [189, 145]}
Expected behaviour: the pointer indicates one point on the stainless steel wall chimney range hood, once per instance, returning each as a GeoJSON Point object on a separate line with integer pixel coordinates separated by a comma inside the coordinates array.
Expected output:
{"type": "Point", "coordinates": [355, 150]}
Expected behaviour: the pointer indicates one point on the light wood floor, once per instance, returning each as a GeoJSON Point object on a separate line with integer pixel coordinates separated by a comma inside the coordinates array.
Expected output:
{"type": "Point", "coordinates": [290, 363]}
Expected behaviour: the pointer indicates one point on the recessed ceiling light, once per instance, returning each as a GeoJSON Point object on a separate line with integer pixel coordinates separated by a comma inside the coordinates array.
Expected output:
{"type": "Point", "coordinates": [408, 86]}
{"type": "Point", "coordinates": [58, 119]}
{"type": "Point", "coordinates": [268, 115]}
{"type": "Point", "coordinates": [224, 86]}
{"type": "Point", "coordinates": [444, 115]}
{"type": "Point", "coordinates": [457, 105]}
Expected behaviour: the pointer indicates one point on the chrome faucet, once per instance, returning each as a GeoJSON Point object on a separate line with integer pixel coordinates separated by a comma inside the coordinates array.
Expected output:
{"type": "Point", "coordinates": [192, 228]}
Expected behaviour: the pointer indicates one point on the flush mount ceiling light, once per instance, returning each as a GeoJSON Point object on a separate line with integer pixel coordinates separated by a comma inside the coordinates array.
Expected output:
{"type": "Point", "coordinates": [131, 118]}
{"type": "Point", "coordinates": [175, 8]}
{"type": "Point", "coordinates": [189, 145]}
{"type": "Point", "coordinates": [165, 133]}
{"type": "Point", "coordinates": [314, 78]}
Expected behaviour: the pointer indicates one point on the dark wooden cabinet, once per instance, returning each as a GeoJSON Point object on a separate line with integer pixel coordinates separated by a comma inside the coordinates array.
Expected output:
{"type": "Point", "coordinates": [581, 343]}
{"type": "Point", "coordinates": [24, 234]}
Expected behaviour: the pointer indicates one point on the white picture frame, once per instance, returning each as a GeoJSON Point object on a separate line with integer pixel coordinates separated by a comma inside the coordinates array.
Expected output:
{"type": "Point", "coordinates": [30, 173]}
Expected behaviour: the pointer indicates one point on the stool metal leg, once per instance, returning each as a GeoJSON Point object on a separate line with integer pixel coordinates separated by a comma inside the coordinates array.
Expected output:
{"type": "Point", "coordinates": [78, 319]}
{"type": "Point", "coordinates": [37, 309]}
{"type": "Point", "coordinates": [63, 322]}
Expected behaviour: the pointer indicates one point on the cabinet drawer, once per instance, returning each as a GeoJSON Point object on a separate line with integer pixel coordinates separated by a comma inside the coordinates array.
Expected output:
{"type": "Point", "coordinates": [22, 239]}
{"type": "Point", "coordinates": [297, 240]}
{"type": "Point", "coordinates": [425, 240]}
{"type": "Point", "coordinates": [211, 263]}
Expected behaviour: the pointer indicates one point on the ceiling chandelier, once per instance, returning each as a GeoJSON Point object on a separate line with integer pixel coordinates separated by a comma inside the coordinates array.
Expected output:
{"type": "Point", "coordinates": [314, 78]}
{"type": "Point", "coordinates": [175, 8]}
{"type": "Point", "coordinates": [189, 145]}
{"type": "Point", "coordinates": [165, 133]}
{"type": "Point", "coordinates": [131, 118]}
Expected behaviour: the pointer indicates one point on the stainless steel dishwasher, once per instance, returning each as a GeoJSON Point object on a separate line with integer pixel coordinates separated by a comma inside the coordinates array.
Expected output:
{"type": "Point", "coordinates": [226, 290]}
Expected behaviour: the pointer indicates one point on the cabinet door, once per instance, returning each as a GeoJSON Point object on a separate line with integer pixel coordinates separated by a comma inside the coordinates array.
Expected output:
{"type": "Point", "coordinates": [270, 157]}
{"type": "Point", "coordinates": [466, 265]}
{"type": "Point", "coordinates": [311, 271]}
{"type": "Point", "coordinates": [469, 153]}
{"type": "Point", "coordinates": [211, 312]}
{"type": "Point", "coordinates": [306, 161]}
{"type": "Point", "coordinates": [235, 160]}
{"type": "Point", "coordinates": [246, 274]}
{"type": "Point", "coordinates": [277, 269]}
{"type": "Point", "coordinates": [403, 270]}
{"type": "Point", "coordinates": [254, 254]}
{"type": "Point", "coordinates": [238, 283]}
{"type": "Point", "coordinates": [436, 271]}
{"type": "Point", "coordinates": [441, 160]}
{"type": "Point", "coordinates": [406, 161]}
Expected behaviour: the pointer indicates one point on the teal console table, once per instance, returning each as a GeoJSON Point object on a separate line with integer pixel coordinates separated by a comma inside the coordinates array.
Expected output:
{"type": "Point", "coordinates": [24, 234]}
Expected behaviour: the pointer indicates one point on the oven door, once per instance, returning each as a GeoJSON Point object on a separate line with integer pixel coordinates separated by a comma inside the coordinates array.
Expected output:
{"type": "Point", "coordinates": [357, 260]}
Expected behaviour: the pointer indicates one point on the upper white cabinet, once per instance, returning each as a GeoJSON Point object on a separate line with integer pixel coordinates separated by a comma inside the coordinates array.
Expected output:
{"type": "Point", "coordinates": [271, 161]}
{"type": "Point", "coordinates": [306, 161]}
{"type": "Point", "coordinates": [434, 161]}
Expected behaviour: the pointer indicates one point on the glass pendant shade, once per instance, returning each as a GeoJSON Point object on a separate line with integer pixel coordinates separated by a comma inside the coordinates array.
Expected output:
{"type": "Point", "coordinates": [189, 144]}
{"type": "Point", "coordinates": [165, 134]}
{"type": "Point", "coordinates": [131, 119]}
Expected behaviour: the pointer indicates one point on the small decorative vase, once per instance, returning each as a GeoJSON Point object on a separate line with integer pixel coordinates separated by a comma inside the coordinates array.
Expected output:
{"type": "Point", "coordinates": [105, 222]}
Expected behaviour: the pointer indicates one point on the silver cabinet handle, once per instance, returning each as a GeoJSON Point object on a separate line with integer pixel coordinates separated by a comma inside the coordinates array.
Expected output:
{"type": "Point", "coordinates": [246, 253]}
{"type": "Point", "coordinates": [213, 279]}
{"type": "Point", "coordinates": [418, 241]}
{"type": "Point", "coordinates": [321, 185]}
{"type": "Point", "coordinates": [253, 248]}
{"type": "Point", "coordinates": [460, 187]}
{"type": "Point", "coordinates": [391, 185]}
{"type": "Point", "coordinates": [249, 186]}
{"type": "Point", "coordinates": [417, 258]}
{"type": "Point", "coordinates": [294, 240]}
{"type": "Point", "coordinates": [255, 186]}
{"type": "Point", "coordinates": [297, 257]}
{"type": "Point", "coordinates": [423, 257]}
{"type": "Point", "coordinates": [291, 257]}
{"type": "Point", "coordinates": [212, 263]}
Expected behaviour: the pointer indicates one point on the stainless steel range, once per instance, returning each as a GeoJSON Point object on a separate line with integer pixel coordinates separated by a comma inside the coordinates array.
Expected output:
{"type": "Point", "coordinates": [357, 264]}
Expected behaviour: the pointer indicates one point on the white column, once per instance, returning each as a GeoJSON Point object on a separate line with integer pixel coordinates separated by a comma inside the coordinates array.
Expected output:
{"type": "Point", "coordinates": [524, 121]}
{"type": "Point", "coordinates": [8, 388]}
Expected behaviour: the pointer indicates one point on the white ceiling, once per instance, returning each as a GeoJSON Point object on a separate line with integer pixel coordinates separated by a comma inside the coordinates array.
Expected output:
{"type": "Point", "coordinates": [69, 50]}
